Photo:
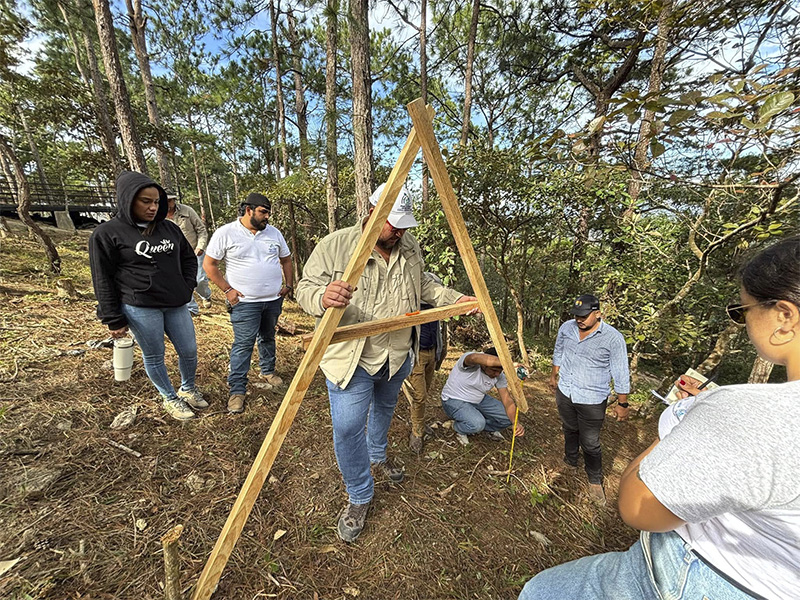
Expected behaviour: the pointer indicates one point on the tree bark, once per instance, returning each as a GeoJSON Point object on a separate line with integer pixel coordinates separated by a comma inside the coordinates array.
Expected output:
{"type": "Point", "coordinates": [725, 339]}
{"type": "Point", "coordinates": [331, 113]}
{"type": "Point", "coordinates": [119, 92]}
{"type": "Point", "coordinates": [762, 369]}
{"type": "Point", "coordinates": [24, 204]}
{"type": "Point", "coordinates": [37, 158]}
{"type": "Point", "coordinates": [107, 137]}
{"type": "Point", "coordinates": [103, 124]}
{"type": "Point", "coordinates": [657, 66]}
{"type": "Point", "coordinates": [300, 104]}
{"type": "Point", "coordinates": [423, 91]}
{"type": "Point", "coordinates": [137, 22]}
{"type": "Point", "coordinates": [473, 34]}
{"type": "Point", "coordinates": [276, 57]}
{"type": "Point", "coordinates": [196, 164]}
{"type": "Point", "coordinates": [362, 104]}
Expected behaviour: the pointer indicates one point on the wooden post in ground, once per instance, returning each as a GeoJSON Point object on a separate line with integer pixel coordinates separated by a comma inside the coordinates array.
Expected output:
{"type": "Point", "coordinates": [423, 124]}
{"type": "Point", "coordinates": [172, 563]}
{"type": "Point", "coordinates": [302, 379]}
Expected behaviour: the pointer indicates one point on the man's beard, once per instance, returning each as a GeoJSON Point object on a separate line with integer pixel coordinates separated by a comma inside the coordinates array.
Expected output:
{"type": "Point", "coordinates": [259, 225]}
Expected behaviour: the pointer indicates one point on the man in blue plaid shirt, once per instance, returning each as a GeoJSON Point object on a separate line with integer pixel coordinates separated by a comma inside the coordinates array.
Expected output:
{"type": "Point", "coordinates": [588, 354]}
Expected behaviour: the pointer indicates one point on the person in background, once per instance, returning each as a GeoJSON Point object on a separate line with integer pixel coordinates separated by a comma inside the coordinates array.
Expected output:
{"type": "Point", "coordinates": [258, 275]}
{"type": "Point", "coordinates": [466, 401]}
{"type": "Point", "coordinates": [716, 496]}
{"type": "Point", "coordinates": [144, 272]}
{"type": "Point", "coordinates": [192, 226]}
{"type": "Point", "coordinates": [417, 386]}
{"type": "Point", "coordinates": [364, 375]}
{"type": "Point", "coordinates": [588, 354]}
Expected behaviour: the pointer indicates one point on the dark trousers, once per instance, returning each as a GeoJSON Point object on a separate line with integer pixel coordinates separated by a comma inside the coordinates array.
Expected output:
{"type": "Point", "coordinates": [582, 424]}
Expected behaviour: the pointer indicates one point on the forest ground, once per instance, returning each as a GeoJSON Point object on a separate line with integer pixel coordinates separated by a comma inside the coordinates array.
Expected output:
{"type": "Point", "coordinates": [85, 518]}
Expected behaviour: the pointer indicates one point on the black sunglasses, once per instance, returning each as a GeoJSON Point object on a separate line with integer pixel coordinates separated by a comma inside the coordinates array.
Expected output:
{"type": "Point", "coordinates": [737, 312]}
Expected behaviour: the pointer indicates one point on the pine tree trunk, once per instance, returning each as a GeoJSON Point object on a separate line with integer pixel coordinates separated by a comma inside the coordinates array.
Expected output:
{"type": "Point", "coordinates": [276, 57]}
{"type": "Point", "coordinates": [362, 104]}
{"type": "Point", "coordinates": [300, 104]}
{"type": "Point", "coordinates": [657, 67]}
{"type": "Point", "coordinates": [137, 22]}
{"type": "Point", "coordinates": [119, 92]}
{"type": "Point", "coordinates": [331, 113]}
{"type": "Point", "coordinates": [473, 34]}
{"type": "Point", "coordinates": [423, 85]}
{"type": "Point", "coordinates": [24, 204]}
{"type": "Point", "coordinates": [193, 146]}
{"type": "Point", "coordinates": [107, 136]}
{"type": "Point", "coordinates": [762, 369]}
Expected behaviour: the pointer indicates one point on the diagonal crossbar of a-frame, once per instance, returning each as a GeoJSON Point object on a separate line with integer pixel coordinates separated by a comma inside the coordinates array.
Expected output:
{"type": "Point", "coordinates": [423, 125]}
{"type": "Point", "coordinates": [302, 379]}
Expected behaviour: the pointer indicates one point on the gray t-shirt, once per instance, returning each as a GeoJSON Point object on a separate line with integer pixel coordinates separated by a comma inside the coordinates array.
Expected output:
{"type": "Point", "coordinates": [470, 384]}
{"type": "Point", "coordinates": [729, 465]}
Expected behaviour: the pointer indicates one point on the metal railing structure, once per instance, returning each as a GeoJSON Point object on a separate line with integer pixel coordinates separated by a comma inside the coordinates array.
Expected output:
{"type": "Point", "coordinates": [71, 197]}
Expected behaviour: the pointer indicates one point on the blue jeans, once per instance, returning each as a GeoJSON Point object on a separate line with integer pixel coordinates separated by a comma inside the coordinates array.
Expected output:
{"type": "Point", "coordinates": [361, 414]}
{"type": "Point", "coordinates": [660, 566]}
{"type": "Point", "coordinates": [148, 326]}
{"type": "Point", "coordinates": [203, 289]}
{"type": "Point", "coordinates": [489, 415]}
{"type": "Point", "coordinates": [252, 321]}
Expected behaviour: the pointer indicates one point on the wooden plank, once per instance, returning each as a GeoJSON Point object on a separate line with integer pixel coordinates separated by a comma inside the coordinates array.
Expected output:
{"type": "Point", "coordinates": [302, 379]}
{"type": "Point", "coordinates": [423, 124]}
{"type": "Point", "coordinates": [359, 330]}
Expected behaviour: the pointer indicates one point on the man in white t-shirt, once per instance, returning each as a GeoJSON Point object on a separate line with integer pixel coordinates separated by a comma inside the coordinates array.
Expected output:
{"type": "Point", "coordinates": [258, 275]}
{"type": "Point", "coordinates": [466, 401]}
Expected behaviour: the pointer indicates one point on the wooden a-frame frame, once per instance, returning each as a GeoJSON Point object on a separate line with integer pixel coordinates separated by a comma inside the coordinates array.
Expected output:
{"type": "Point", "coordinates": [421, 135]}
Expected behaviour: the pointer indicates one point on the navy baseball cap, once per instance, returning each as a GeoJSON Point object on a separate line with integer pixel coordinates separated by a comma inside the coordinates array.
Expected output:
{"type": "Point", "coordinates": [584, 305]}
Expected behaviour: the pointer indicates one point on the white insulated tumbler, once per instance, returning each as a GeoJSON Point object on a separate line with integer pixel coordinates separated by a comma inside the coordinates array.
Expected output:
{"type": "Point", "coordinates": [123, 359]}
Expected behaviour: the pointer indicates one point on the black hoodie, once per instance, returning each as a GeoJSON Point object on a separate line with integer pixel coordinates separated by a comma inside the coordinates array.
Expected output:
{"type": "Point", "coordinates": [157, 271]}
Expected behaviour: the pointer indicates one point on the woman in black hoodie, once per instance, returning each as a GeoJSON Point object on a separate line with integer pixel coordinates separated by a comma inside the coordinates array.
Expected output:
{"type": "Point", "coordinates": [143, 271]}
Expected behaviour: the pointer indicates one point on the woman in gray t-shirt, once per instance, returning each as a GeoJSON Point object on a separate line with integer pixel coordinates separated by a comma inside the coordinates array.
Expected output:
{"type": "Point", "coordinates": [716, 498]}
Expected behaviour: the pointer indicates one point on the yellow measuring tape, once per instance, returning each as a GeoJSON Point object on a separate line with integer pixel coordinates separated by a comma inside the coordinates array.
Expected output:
{"type": "Point", "coordinates": [513, 439]}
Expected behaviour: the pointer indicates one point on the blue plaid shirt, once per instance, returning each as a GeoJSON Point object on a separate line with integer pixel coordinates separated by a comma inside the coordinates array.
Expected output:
{"type": "Point", "coordinates": [587, 366]}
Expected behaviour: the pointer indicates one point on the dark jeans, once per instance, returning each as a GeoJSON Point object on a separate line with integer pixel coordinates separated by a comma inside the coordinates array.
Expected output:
{"type": "Point", "coordinates": [252, 321]}
{"type": "Point", "coordinates": [582, 424]}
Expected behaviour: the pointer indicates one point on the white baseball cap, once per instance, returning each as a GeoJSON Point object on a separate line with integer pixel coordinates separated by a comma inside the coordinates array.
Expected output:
{"type": "Point", "coordinates": [401, 216]}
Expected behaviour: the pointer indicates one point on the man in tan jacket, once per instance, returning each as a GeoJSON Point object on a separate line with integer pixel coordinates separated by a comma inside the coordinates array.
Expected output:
{"type": "Point", "coordinates": [195, 232]}
{"type": "Point", "coordinates": [364, 375]}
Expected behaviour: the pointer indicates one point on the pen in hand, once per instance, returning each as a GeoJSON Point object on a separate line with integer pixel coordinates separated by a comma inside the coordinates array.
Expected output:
{"type": "Point", "coordinates": [706, 382]}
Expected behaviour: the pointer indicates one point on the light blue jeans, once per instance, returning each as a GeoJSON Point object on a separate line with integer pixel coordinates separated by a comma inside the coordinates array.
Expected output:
{"type": "Point", "coordinates": [489, 415]}
{"type": "Point", "coordinates": [660, 566]}
{"type": "Point", "coordinates": [203, 289]}
{"type": "Point", "coordinates": [252, 321]}
{"type": "Point", "coordinates": [361, 414]}
{"type": "Point", "coordinates": [148, 326]}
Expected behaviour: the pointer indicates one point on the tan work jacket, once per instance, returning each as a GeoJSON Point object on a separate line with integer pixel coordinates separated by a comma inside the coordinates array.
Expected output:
{"type": "Point", "coordinates": [191, 225]}
{"type": "Point", "coordinates": [328, 262]}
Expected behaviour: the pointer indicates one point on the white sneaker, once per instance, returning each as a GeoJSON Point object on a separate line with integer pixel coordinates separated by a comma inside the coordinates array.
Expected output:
{"type": "Point", "coordinates": [178, 409]}
{"type": "Point", "coordinates": [496, 436]}
{"type": "Point", "coordinates": [193, 398]}
{"type": "Point", "coordinates": [462, 439]}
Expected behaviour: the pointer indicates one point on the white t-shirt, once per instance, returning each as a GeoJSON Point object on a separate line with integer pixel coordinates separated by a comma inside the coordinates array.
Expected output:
{"type": "Point", "coordinates": [252, 262]}
{"type": "Point", "coordinates": [727, 464]}
{"type": "Point", "coordinates": [470, 384]}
